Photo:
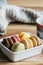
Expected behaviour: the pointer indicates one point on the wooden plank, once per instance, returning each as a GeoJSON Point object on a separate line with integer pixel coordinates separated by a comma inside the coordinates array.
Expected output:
{"type": "Point", "coordinates": [27, 3]}
{"type": "Point", "coordinates": [33, 4]}
{"type": "Point", "coordinates": [21, 63]}
{"type": "Point", "coordinates": [17, 28]}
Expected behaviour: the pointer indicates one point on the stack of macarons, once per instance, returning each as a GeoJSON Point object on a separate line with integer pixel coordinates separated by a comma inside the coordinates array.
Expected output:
{"type": "Point", "coordinates": [29, 40]}
{"type": "Point", "coordinates": [14, 43]}
{"type": "Point", "coordinates": [21, 42]}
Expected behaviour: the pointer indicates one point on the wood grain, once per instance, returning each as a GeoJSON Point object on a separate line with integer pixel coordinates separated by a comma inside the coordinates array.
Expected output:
{"type": "Point", "coordinates": [17, 28]}
{"type": "Point", "coordinates": [27, 3]}
{"type": "Point", "coordinates": [33, 4]}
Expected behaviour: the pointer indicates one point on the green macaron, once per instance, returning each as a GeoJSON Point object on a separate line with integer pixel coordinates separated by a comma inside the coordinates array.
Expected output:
{"type": "Point", "coordinates": [18, 47]}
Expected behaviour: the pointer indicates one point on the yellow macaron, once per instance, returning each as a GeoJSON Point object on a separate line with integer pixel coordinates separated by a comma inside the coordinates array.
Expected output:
{"type": "Point", "coordinates": [24, 35]}
{"type": "Point", "coordinates": [28, 44]}
{"type": "Point", "coordinates": [21, 34]}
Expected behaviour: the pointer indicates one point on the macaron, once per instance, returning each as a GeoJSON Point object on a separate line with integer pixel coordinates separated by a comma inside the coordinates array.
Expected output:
{"type": "Point", "coordinates": [10, 41]}
{"type": "Point", "coordinates": [31, 43]}
{"type": "Point", "coordinates": [18, 47]}
{"type": "Point", "coordinates": [24, 35]}
{"type": "Point", "coordinates": [34, 41]}
{"type": "Point", "coordinates": [15, 38]}
{"type": "Point", "coordinates": [38, 40]}
{"type": "Point", "coordinates": [21, 34]}
{"type": "Point", "coordinates": [6, 43]}
{"type": "Point", "coordinates": [18, 38]}
{"type": "Point", "coordinates": [28, 43]}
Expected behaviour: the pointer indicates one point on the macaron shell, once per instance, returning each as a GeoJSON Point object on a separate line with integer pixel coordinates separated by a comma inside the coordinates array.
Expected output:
{"type": "Point", "coordinates": [21, 34]}
{"type": "Point", "coordinates": [18, 38]}
{"type": "Point", "coordinates": [25, 36]}
{"type": "Point", "coordinates": [10, 41]}
{"type": "Point", "coordinates": [26, 43]}
{"type": "Point", "coordinates": [34, 41]}
{"type": "Point", "coordinates": [14, 46]}
{"type": "Point", "coordinates": [6, 43]}
{"type": "Point", "coordinates": [31, 43]}
{"type": "Point", "coordinates": [14, 39]}
{"type": "Point", "coordinates": [20, 47]}
{"type": "Point", "coordinates": [38, 40]}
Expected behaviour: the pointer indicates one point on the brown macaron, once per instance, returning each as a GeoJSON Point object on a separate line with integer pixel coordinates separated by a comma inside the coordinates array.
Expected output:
{"type": "Point", "coordinates": [6, 43]}
{"type": "Point", "coordinates": [10, 41]}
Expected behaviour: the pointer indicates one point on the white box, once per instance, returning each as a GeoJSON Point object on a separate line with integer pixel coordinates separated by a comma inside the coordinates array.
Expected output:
{"type": "Point", "coordinates": [16, 56]}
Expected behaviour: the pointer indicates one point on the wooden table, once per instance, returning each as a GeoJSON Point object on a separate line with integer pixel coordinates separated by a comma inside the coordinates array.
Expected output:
{"type": "Point", "coordinates": [34, 4]}
{"type": "Point", "coordinates": [17, 28]}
